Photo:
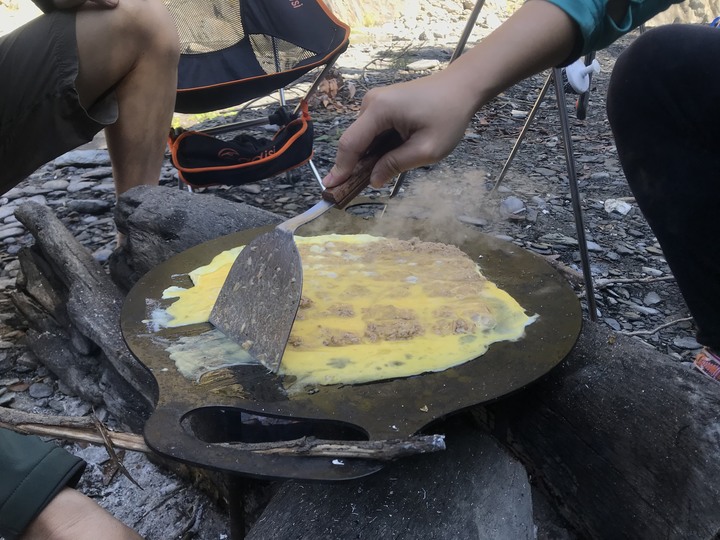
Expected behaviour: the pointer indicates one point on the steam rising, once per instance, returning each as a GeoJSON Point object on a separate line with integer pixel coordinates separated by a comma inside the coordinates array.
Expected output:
{"type": "Point", "coordinates": [433, 207]}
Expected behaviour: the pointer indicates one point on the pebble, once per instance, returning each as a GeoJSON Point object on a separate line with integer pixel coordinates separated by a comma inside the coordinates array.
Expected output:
{"type": "Point", "coordinates": [98, 172]}
{"type": "Point", "coordinates": [559, 239]}
{"type": "Point", "coordinates": [27, 360]}
{"type": "Point", "coordinates": [55, 185]}
{"type": "Point", "coordinates": [103, 188]}
{"type": "Point", "coordinates": [7, 211]}
{"type": "Point", "coordinates": [75, 187]}
{"type": "Point", "coordinates": [40, 390]}
{"type": "Point", "coordinates": [688, 343]}
{"type": "Point", "coordinates": [612, 323]}
{"type": "Point", "coordinates": [615, 205]}
{"type": "Point", "coordinates": [89, 206]}
{"type": "Point", "coordinates": [10, 232]}
{"type": "Point", "coordinates": [652, 271]}
{"type": "Point", "coordinates": [250, 188]}
{"type": "Point", "coordinates": [83, 158]}
{"type": "Point", "coordinates": [512, 205]}
{"type": "Point", "coordinates": [652, 298]}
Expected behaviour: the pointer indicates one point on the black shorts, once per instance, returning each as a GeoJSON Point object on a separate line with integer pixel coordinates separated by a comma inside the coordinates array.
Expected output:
{"type": "Point", "coordinates": [32, 472]}
{"type": "Point", "coordinates": [40, 114]}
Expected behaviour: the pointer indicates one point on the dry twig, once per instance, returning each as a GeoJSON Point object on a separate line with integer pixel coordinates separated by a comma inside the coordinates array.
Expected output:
{"type": "Point", "coordinates": [604, 283]}
{"type": "Point", "coordinates": [653, 330]}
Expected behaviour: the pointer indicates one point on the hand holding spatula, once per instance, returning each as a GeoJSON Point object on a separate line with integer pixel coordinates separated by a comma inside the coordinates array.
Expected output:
{"type": "Point", "coordinates": [258, 302]}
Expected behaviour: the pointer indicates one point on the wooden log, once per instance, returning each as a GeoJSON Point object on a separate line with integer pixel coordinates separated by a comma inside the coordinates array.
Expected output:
{"type": "Point", "coordinates": [85, 301]}
{"type": "Point", "coordinates": [624, 438]}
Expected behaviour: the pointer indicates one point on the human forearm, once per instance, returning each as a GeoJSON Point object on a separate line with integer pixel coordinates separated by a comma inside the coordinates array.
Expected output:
{"type": "Point", "coordinates": [537, 36]}
{"type": "Point", "coordinates": [431, 113]}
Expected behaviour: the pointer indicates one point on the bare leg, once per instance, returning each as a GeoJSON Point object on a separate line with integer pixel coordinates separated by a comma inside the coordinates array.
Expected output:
{"type": "Point", "coordinates": [132, 49]}
{"type": "Point", "coordinates": [73, 516]}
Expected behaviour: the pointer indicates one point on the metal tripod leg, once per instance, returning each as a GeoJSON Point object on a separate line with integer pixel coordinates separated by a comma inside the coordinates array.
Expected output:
{"type": "Point", "coordinates": [555, 76]}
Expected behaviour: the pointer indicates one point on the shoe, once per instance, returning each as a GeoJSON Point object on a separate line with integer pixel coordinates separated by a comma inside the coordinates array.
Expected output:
{"type": "Point", "coordinates": [708, 363]}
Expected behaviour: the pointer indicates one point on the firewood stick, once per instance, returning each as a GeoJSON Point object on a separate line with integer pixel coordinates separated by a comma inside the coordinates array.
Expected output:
{"type": "Point", "coordinates": [85, 429]}
{"type": "Point", "coordinates": [386, 450]}
{"type": "Point", "coordinates": [68, 427]}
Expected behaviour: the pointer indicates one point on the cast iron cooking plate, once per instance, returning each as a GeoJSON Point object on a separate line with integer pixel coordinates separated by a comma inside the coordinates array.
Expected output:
{"type": "Point", "coordinates": [193, 422]}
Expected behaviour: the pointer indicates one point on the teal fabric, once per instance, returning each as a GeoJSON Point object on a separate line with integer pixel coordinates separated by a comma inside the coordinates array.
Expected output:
{"type": "Point", "coordinates": [597, 30]}
{"type": "Point", "coordinates": [32, 472]}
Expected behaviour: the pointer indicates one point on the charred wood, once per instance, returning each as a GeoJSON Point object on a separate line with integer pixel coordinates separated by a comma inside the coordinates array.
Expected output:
{"type": "Point", "coordinates": [73, 310]}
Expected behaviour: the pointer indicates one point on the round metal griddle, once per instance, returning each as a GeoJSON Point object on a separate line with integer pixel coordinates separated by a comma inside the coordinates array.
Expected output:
{"type": "Point", "coordinates": [193, 421]}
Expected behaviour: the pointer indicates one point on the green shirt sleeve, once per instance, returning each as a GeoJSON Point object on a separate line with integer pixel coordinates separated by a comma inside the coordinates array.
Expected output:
{"type": "Point", "coordinates": [32, 472]}
{"type": "Point", "coordinates": [597, 30]}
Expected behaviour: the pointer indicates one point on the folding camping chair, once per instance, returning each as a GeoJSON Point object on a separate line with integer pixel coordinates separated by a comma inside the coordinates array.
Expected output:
{"type": "Point", "coordinates": [234, 52]}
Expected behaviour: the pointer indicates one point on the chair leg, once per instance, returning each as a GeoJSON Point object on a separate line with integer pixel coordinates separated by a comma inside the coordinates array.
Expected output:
{"type": "Point", "coordinates": [316, 174]}
{"type": "Point", "coordinates": [555, 76]}
{"type": "Point", "coordinates": [182, 185]}
{"type": "Point", "coordinates": [523, 132]}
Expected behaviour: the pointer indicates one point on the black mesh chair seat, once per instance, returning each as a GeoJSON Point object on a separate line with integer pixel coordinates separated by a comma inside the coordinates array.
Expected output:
{"type": "Point", "coordinates": [233, 51]}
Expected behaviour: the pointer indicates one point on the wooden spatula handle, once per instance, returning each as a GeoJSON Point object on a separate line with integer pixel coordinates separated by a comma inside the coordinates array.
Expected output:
{"type": "Point", "coordinates": [360, 177]}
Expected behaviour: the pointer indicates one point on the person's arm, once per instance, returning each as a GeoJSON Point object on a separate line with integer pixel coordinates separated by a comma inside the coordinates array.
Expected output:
{"type": "Point", "coordinates": [432, 113]}
{"type": "Point", "coordinates": [73, 516]}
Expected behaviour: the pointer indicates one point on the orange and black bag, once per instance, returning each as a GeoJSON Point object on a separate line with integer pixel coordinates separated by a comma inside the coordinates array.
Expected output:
{"type": "Point", "coordinates": [203, 160]}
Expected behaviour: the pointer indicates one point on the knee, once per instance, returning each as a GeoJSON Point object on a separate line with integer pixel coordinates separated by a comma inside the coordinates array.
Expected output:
{"type": "Point", "coordinates": [639, 59]}
{"type": "Point", "coordinates": [637, 78]}
{"type": "Point", "coordinates": [149, 24]}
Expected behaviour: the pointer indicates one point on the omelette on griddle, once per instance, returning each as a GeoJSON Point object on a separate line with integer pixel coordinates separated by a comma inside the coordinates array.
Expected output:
{"type": "Point", "coordinates": [375, 308]}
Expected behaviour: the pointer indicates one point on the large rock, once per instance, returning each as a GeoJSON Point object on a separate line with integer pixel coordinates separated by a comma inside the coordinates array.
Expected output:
{"type": "Point", "coordinates": [474, 490]}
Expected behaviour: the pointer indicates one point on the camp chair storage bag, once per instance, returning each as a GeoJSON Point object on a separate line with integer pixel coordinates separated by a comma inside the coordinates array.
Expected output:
{"type": "Point", "coordinates": [203, 160]}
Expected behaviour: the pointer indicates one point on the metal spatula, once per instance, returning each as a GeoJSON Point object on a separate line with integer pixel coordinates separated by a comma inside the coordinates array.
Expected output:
{"type": "Point", "coordinates": [258, 302]}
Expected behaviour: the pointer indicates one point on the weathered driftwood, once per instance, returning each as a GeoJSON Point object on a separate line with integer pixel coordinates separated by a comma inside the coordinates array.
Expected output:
{"type": "Point", "coordinates": [73, 312]}
{"type": "Point", "coordinates": [624, 438]}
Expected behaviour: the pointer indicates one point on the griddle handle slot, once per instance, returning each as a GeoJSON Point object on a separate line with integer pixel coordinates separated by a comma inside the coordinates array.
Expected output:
{"type": "Point", "coordinates": [165, 434]}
